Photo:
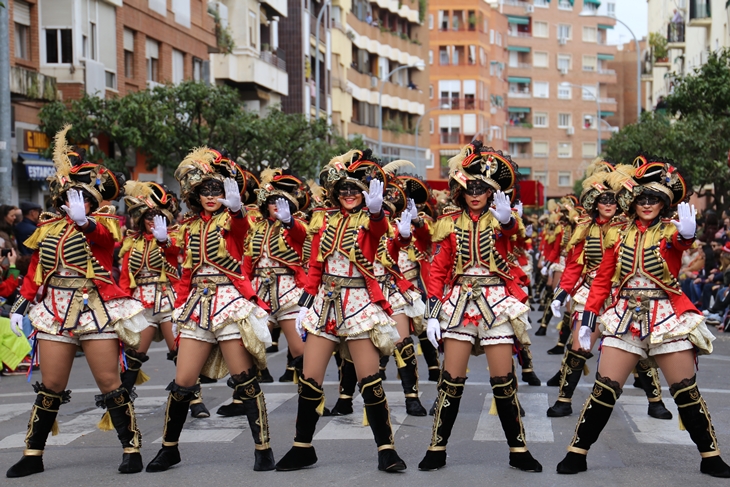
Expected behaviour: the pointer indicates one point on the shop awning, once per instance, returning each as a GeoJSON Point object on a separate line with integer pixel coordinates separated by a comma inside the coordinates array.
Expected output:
{"type": "Point", "coordinates": [518, 109]}
{"type": "Point", "coordinates": [518, 48]}
{"type": "Point", "coordinates": [605, 26]}
{"type": "Point", "coordinates": [605, 57]}
{"type": "Point", "coordinates": [36, 167]}
{"type": "Point", "coordinates": [607, 114]}
{"type": "Point", "coordinates": [519, 140]}
{"type": "Point", "coordinates": [514, 19]}
{"type": "Point", "coordinates": [518, 79]}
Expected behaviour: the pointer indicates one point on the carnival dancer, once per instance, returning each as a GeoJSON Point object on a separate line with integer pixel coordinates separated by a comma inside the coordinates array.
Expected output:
{"type": "Point", "coordinates": [585, 252]}
{"type": "Point", "coordinates": [342, 304]}
{"type": "Point", "coordinates": [81, 304]}
{"type": "Point", "coordinates": [649, 316]}
{"type": "Point", "coordinates": [482, 309]}
{"type": "Point", "coordinates": [217, 311]}
{"type": "Point", "coordinates": [273, 261]}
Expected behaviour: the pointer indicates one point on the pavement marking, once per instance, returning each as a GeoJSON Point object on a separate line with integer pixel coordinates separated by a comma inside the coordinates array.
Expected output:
{"type": "Point", "coordinates": [651, 430]}
{"type": "Point", "coordinates": [350, 427]}
{"type": "Point", "coordinates": [9, 411]}
{"type": "Point", "coordinates": [538, 428]}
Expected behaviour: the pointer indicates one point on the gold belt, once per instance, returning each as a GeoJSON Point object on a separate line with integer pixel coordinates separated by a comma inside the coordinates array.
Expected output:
{"type": "Point", "coordinates": [471, 290]}
{"type": "Point", "coordinates": [343, 282]}
{"type": "Point", "coordinates": [70, 282]}
{"type": "Point", "coordinates": [147, 280]}
{"type": "Point", "coordinates": [206, 285]}
{"type": "Point", "coordinates": [84, 296]}
{"type": "Point", "coordinates": [277, 271]}
{"type": "Point", "coordinates": [643, 293]}
{"type": "Point", "coordinates": [482, 281]}
{"type": "Point", "coordinates": [270, 284]}
{"type": "Point", "coordinates": [638, 309]}
{"type": "Point", "coordinates": [333, 286]}
{"type": "Point", "coordinates": [162, 290]}
{"type": "Point", "coordinates": [411, 274]}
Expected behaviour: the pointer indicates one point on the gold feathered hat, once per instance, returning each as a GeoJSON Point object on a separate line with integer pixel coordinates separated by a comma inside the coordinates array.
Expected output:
{"type": "Point", "coordinates": [73, 171]}
{"type": "Point", "coordinates": [204, 164]}
{"type": "Point", "coordinates": [280, 182]}
{"type": "Point", "coordinates": [396, 195]}
{"type": "Point", "coordinates": [655, 176]}
{"type": "Point", "coordinates": [476, 162]}
{"type": "Point", "coordinates": [596, 182]}
{"type": "Point", "coordinates": [142, 196]}
{"type": "Point", "coordinates": [356, 167]}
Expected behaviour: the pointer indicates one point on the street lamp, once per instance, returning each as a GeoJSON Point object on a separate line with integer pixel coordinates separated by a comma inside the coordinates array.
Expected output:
{"type": "Point", "coordinates": [565, 84]}
{"type": "Point", "coordinates": [418, 66]}
{"type": "Point", "coordinates": [445, 106]}
{"type": "Point", "coordinates": [316, 57]}
{"type": "Point", "coordinates": [638, 58]}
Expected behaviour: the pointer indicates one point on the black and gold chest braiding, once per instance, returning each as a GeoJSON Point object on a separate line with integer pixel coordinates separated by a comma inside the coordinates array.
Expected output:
{"type": "Point", "coordinates": [475, 246]}
{"type": "Point", "coordinates": [267, 236]}
{"type": "Point", "coordinates": [341, 234]}
{"type": "Point", "coordinates": [70, 249]}
{"type": "Point", "coordinates": [593, 252]}
{"type": "Point", "coordinates": [640, 252]}
{"type": "Point", "coordinates": [148, 255]}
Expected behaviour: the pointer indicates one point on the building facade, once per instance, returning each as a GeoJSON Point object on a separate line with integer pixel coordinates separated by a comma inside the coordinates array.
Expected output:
{"type": "Point", "coordinates": [559, 78]}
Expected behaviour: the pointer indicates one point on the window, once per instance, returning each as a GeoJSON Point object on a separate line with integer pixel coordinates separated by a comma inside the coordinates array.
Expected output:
{"type": "Point", "coordinates": [540, 149]}
{"type": "Point", "coordinates": [430, 56]}
{"type": "Point", "coordinates": [564, 92]}
{"type": "Point", "coordinates": [472, 55]}
{"type": "Point", "coordinates": [564, 120]}
{"type": "Point", "coordinates": [252, 28]}
{"type": "Point", "coordinates": [589, 150]}
{"type": "Point", "coordinates": [454, 55]}
{"type": "Point", "coordinates": [541, 176]}
{"type": "Point", "coordinates": [482, 56]}
{"type": "Point", "coordinates": [430, 125]}
{"type": "Point", "coordinates": [590, 34]}
{"type": "Point", "coordinates": [590, 92]}
{"type": "Point", "coordinates": [499, 39]}
{"type": "Point", "coordinates": [539, 119]}
{"type": "Point", "coordinates": [588, 121]}
{"type": "Point", "coordinates": [152, 54]}
{"type": "Point", "coordinates": [92, 41]}
{"type": "Point", "coordinates": [443, 19]}
{"type": "Point", "coordinates": [565, 149]}
{"type": "Point", "coordinates": [590, 63]}
{"type": "Point", "coordinates": [564, 63]}
{"type": "Point", "coordinates": [21, 19]}
{"type": "Point", "coordinates": [540, 59]}
{"type": "Point", "coordinates": [128, 53]}
{"type": "Point", "coordinates": [197, 69]}
{"type": "Point", "coordinates": [565, 178]}
{"type": "Point", "coordinates": [542, 3]}
{"type": "Point", "coordinates": [431, 161]}
{"type": "Point", "coordinates": [430, 21]}
{"type": "Point", "coordinates": [564, 31]}
{"type": "Point", "coordinates": [59, 46]}
{"type": "Point", "coordinates": [541, 89]}
{"type": "Point", "coordinates": [444, 55]}
{"type": "Point", "coordinates": [611, 9]}
{"type": "Point", "coordinates": [491, 36]}
{"type": "Point", "coordinates": [540, 29]}
{"type": "Point", "coordinates": [178, 66]}
{"type": "Point", "coordinates": [111, 80]}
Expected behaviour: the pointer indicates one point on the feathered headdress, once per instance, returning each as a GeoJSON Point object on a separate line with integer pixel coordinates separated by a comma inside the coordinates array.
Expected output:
{"type": "Point", "coordinates": [141, 196]}
{"type": "Point", "coordinates": [476, 162]}
{"type": "Point", "coordinates": [203, 164]}
{"type": "Point", "coordinates": [356, 167]}
{"type": "Point", "coordinates": [279, 182]}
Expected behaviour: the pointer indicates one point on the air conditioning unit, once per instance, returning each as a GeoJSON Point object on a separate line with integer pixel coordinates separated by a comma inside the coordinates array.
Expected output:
{"type": "Point", "coordinates": [570, 130]}
{"type": "Point", "coordinates": [562, 41]}
{"type": "Point", "coordinates": [563, 71]}
{"type": "Point", "coordinates": [529, 9]}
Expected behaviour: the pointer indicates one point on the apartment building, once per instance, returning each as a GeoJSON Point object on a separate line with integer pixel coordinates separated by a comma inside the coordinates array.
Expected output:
{"type": "Point", "coordinates": [558, 79]}
{"type": "Point", "coordinates": [468, 84]}
{"type": "Point", "coordinates": [684, 32]}
{"type": "Point", "coordinates": [625, 91]}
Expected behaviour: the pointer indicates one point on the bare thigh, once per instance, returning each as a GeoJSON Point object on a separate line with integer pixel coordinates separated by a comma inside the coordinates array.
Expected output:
{"type": "Point", "coordinates": [58, 358]}
{"type": "Point", "coordinates": [677, 366]}
{"type": "Point", "coordinates": [617, 364]}
{"type": "Point", "coordinates": [317, 354]}
{"type": "Point", "coordinates": [403, 325]}
{"type": "Point", "coordinates": [236, 356]}
{"type": "Point", "coordinates": [293, 340]}
{"type": "Point", "coordinates": [456, 356]}
{"type": "Point", "coordinates": [146, 337]}
{"type": "Point", "coordinates": [499, 359]}
{"type": "Point", "coordinates": [166, 329]}
{"type": "Point", "coordinates": [366, 358]}
{"type": "Point", "coordinates": [191, 357]}
{"type": "Point", "coordinates": [103, 357]}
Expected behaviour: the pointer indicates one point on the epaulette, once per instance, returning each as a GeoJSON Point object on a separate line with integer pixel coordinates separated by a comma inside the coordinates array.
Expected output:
{"type": "Point", "coordinates": [106, 211]}
{"type": "Point", "coordinates": [444, 226]}
{"type": "Point", "coordinates": [48, 217]}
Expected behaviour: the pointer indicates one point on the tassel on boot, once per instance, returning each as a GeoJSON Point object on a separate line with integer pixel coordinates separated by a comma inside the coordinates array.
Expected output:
{"type": "Point", "coordinates": [311, 405]}
{"type": "Point", "coordinates": [408, 372]}
{"type": "Point", "coordinates": [176, 412]}
{"type": "Point", "coordinates": [134, 375]}
{"type": "Point", "coordinates": [448, 400]}
{"type": "Point", "coordinates": [120, 409]}
{"type": "Point", "coordinates": [378, 417]}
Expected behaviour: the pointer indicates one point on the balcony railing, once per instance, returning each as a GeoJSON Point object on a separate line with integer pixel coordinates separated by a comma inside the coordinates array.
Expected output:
{"type": "Point", "coordinates": [565, 5]}
{"type": "Point", "coordinates": [519, 94]}
{"type": "Point", "coordinates": [610, 72]}
{"type": "Point", "coordinates": [461, 104]}
{"type": "Point", "coordinates": [607, 100]}
{"type": "Point", "coordinates": [274, 58]}
{"type": "Point", "coordinates": [520, 155]}
{"type": "Point", "coordinates": [521, 66]}
{"type": "Point", "coordinates": [516, 3]}
{"type": "Point", "coordinates": [675, 32]}
{"type": "Point", "coordinates": [515, 33]}
{"type": "Point", "coordinates": [313, 28]}
{"type": "Point", "coordinates": [450, 138]}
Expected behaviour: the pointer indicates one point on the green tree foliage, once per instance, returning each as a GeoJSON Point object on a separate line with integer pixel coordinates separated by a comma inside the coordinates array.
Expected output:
{"type": "Point", "coordinates": [165, 123]}
{"type": "Point", "coordinates": [695, 133]}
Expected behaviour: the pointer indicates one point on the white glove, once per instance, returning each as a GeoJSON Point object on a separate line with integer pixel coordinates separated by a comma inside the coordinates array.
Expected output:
{"type": "Point", "coordinates": [300, 318]}
{"type": "Point", "coordinates": [555, 307]}
{"type": "Point", "coordinates": [283, 213]}
{"type": "Point", "coordinates": [404, 225]}
{"type": "Point", "coordinates": [584, 337]}
{"type": "Point", "coordinates": [374, 197]}
{"type": "Point", "coordinates": [16, 324]}
{"type": "Point", "coordinates": [687, 224]}
{"type": "Point", "coordinates": [502, 210]}
{"type": "Point", "coordinates": [528, 231]}
{"type": "Point", "coordinates": [433, 332]}
{"type": "Point", "coordinates": [519, 209]}
{"type": "Point", "coordinates": [75, 209]}
{"type": "Point", "coordinates": [232, 199]}
{"type": "Point", "coordinates": [159, 230]}
{"type": "Point", "coordinates": [544, 271]}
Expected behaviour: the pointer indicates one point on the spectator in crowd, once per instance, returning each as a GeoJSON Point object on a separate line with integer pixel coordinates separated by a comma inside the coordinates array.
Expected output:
{"type": "Point", "coordinates": [8, 219]}
{"type": "Point", "coordinates": [24, 229]}
{"type": "Point", "coordinates": [717, 314]}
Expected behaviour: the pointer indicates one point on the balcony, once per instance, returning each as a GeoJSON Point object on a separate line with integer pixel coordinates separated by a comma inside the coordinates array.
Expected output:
{"type": "Point", "coordinates": [565, 5]}
{"type": "Point", "coordinates": [266, 70]}
{"type": "Point", "coordinates": [517, 33]}
{"type": "Point", "coordinates": [362, 34]}
{"type": "Point", "coordinates": [516, 3]}
{"type": "Point", "coordinates": [675, 36]}
{"type": "Point", "coordinates": [279, 6]}
{"type": "Point", "coordinates": [275, 59]}
{"type": "Point", "coordinates": [32, 84]}
{"type": "Point", "coordinates": [313, 28]}
{"type": "Point", "coordinates": [699, 13]}
{"type": "Point", "coordinates": [520, 66]}
{"type": "Point", "coordinates": [461, 104]}
{"type": "Point", "coordinates": [450, 138]}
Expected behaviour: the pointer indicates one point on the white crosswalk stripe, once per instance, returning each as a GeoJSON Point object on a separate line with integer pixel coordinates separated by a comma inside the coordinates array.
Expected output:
{"type": "Point", "coordinates": [650, 430]}
{"type": "Point", "coordinates": [350, 427]}
{"type": "Point", "coordinates": [538, 428]}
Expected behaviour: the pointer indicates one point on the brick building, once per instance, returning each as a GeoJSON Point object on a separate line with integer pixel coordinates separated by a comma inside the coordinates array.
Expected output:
{"type": "Point", "coordinates": [625, 89]}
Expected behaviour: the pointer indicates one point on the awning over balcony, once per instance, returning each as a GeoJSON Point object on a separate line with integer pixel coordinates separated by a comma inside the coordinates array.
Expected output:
{"type": "Point", "coordinates": [605, 26]}
{"type": "Point", "coordinates": [607, 114]}
{"type": "Point", "coordinates": [518, 48]}
{"type": "Point", "coordinates": [519, 140]}
{"type": "Point", "coordinates": [518, 109]}
{"type": "Point", "coordinates": [518, 79]}
{"type": "Point", "coordinates": [514, 19]}
{"type": "Point", "coordinates": [597, 3]}
{"type": "Point", "coordinates": [605, 57]}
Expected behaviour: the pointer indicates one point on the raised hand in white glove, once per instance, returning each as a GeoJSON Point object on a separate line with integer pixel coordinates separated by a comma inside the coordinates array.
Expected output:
{"type": "Point", "coordinates": [519, 209]}
{"type": "Point", "coordinates": [300, 318]}
{"type": "Point", "coordinates": [584, 338]}
{"type": "Point", "coordinates": [75, 209]}
{"type": "Point", "coordinates": [232, 199]}
{"type": "Point", "coordinates": [406, 217]}
{"type": "Point", "coordinates": [374, 197]}
{"type": "Point", "coordinates": [544, 271]}
{"type": "Point", "coordinates": [555, 308]}
{"type": "Point", "coordinates": [16, 323]}
{"type": "Point", "coordinates": [283, 213]}
{"type": "Point", "coordinates": [433, 332]}
{"type": "Point", "coordinates": [687, 222]}
{"type": "Point", "coordinates": [502, 210]}
{"type": "Point", "coordinates": [159, 230]}
{"type": "Point", "coordinates": [528, 230]}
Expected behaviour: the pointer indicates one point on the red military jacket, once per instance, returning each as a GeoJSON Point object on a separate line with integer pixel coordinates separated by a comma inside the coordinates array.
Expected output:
{"type": "Point", "coordinates": [281, 243]}
{"type": "Point", "coordinates": [142, 251]}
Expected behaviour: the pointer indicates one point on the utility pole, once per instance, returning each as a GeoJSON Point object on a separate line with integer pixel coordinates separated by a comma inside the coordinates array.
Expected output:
{"type": "Point", "coordinates": [6, 182]}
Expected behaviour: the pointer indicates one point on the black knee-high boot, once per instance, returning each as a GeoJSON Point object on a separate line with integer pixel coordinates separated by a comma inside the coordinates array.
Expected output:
{"type": "Point", "coordinates": [570, 374]}
{"type": "Point", "coordinates": [275, 334]}
{"type": "Point", "coordinates": [377, 415]}
{"type": "Point", "coordinates": [448, 400]}
{"type": "Point", "coordinates": [596, 413]}
{"type": "Point", "coordinates": [406, 352]}
{"type": "Point", "coordinates": [383, 364]}
{"type": "Point", "coordinates": [528, 372]}
{"type": "Point", "coordinates": [120, 409]}
{"type": "Point", "coordinates": [197, 407]}
{"type": "Point", "coordinates": [696, 420]}
{"type": "Point", "coordinates": [348, 382]}
{"type": "Point", "coordinates": [246, 389]}
{"type": "Point", "coordinates": [311, 407]}
{"type": "Point", "coordinates": [42, 422]}
{"type": "Point", "coordinates": [176, 412]}
{"type": "Point", "coordinates": [547, 311]}
{"type": "Point", "coordinates": [648, 377]}
{"type": "Point", "coordinates": [504, 390]}
{"type": "Point", "coordinates": [288, 375]}
{"type": "Point", "coordinates": [563, 336]}
{"type": "Point", "coordinates": [431, 355]}
{"type": "Point", "coordinates": [134, 375]}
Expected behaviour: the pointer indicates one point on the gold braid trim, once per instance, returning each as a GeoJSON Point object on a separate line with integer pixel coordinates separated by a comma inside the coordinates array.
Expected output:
{"type": "Point", "coordinates": [51, 227]}
{"type": "Point", "coordinates": [109, 222]}
{"type": "Point", "coordinates": [443, 227]}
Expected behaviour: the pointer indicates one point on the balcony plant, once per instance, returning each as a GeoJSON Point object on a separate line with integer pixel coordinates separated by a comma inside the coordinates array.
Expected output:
{"type": "Point", "coordinates": [223, 35]}
{"type": "Point", "coordinates": [658, 44]}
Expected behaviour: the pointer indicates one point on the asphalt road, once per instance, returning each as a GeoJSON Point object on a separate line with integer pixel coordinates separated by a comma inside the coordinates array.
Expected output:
{"type": "Point", "coordinates": [633, 449]}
